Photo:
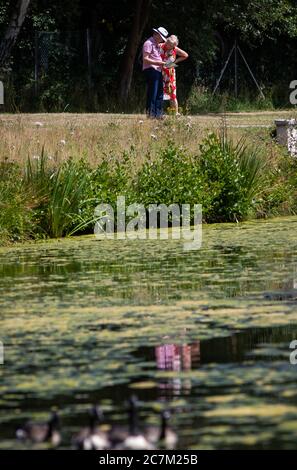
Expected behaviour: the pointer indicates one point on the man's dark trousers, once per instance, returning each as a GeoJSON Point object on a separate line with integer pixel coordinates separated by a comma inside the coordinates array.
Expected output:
{"type": "Point", "coordinates": [154, 102]}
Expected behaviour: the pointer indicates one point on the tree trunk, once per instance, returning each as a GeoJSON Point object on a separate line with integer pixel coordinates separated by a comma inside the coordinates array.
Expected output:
{"type": "Point", "coordinates": [11, 34]}
{"type": "Point", "coordinates": [140, 18]}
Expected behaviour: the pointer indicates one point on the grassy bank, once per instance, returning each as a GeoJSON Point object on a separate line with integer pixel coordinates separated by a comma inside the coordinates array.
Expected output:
{"type": "Point", "coordinates": [96, 136]}
{"type": "Point", "coordinates": [55, 169]}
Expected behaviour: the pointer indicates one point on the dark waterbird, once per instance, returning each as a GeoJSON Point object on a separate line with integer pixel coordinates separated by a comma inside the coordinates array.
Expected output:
{"type": "Point", "coordinates": [92, 437]}
{"type": "Point", "coordinates": [130, 438]}
{"type": "Point", "coordinates": [39, 432]}
{"type": "Point", "coordinates": [162, 434]}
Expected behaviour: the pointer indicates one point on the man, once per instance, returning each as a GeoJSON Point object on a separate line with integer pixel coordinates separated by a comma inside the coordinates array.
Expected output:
{"type": "Point", "coordinates": [152, 68]}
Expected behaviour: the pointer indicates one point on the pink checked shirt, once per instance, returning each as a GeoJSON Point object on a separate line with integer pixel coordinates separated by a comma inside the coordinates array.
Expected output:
{"type": "Point", "coordinates": [153, 48]}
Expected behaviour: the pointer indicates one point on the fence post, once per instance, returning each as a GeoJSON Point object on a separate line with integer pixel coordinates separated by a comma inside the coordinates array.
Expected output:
{"type": "Point", "coordinates": [236, 70]}
{"type": "Point", "coordinates": [1, 93]}
{"type": "Point", "coordinates": [89, 59]}
{"type": "Point", "coordinates": [36, 64]}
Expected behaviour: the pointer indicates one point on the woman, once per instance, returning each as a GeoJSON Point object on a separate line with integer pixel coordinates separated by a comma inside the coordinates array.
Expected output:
{"type": "Point", "coordinates": [172, 55]}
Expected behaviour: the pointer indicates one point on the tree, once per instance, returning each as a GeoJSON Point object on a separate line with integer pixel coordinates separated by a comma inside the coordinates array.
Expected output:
{"type": "Point", "coordinates": [18, 15]}
{"type": "Point", "coordinates": [142, 8]}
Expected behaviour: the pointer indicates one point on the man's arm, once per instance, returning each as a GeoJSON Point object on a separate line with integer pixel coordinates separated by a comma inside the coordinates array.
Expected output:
{"type": "Point", "coordinates": [148, 61]}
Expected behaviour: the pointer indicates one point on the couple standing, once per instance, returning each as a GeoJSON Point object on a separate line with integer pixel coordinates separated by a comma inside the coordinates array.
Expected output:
{"type": "Point", "coordinates": [160, 56]}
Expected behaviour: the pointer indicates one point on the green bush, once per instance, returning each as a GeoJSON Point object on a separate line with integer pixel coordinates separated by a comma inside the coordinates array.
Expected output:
{"type": "Point", "coordinates": [225, 178]}
{"type": "Point", "coordinates": [234, 174]}
{"type": "Point", "coordinates": [110, 179]}
{"type": "Point", "coordinates": [173, 177]}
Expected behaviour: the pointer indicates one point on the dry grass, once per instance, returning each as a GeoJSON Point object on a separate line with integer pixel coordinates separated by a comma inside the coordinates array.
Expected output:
{"type": "Point", "coordinates": [94, 136]}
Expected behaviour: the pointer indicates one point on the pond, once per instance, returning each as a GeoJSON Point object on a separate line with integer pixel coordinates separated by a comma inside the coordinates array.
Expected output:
{"type": "Point", "coordinates": [203, 333]}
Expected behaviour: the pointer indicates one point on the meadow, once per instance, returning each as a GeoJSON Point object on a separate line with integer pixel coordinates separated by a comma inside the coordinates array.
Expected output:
{"type": "Point", "coordinates": [94, 136]}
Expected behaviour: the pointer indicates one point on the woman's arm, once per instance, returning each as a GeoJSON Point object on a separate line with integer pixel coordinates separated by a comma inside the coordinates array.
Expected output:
{"type": "Point", "coordinates": [182, 55]}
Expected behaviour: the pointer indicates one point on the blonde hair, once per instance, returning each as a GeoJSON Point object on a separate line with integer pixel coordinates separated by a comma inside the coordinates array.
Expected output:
{"type": "Point", "coordinates": [173, 40]}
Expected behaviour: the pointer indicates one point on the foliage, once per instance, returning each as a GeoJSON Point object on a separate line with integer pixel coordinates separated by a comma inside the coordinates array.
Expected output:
{"type": "Point", "coordinates": [266, 31]}
{"type": "Point", "coordinates": [172, 178]}
{"type": "Point", "coordinates": [202, 100]}
{"type": "Point", "coordinates": [225, 178]}
{"type": "Point", "coordinates": [17, 218]}
{"type": "Point", "coordinates": [279, 192]}
{"type": "Point", "coordinates": [60, 192]}
{"type": "Point", "coordinates": [234, 173]}
{"type": "Point", "coordinates": [232, 181]}
{"type": "Point", "coordinates": [105, 183]}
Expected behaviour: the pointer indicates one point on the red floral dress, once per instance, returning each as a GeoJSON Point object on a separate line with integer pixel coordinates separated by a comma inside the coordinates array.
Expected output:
{"type": "Point", "coordinates": [169, 75]}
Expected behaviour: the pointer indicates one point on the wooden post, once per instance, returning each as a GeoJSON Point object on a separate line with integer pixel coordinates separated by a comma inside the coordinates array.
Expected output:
{"type": "Point", "coordinates": [36, 65]}
{"type": "Point", "coordinates": [89, 59]}
{"type": "Point", "coordinates": [236, 70]}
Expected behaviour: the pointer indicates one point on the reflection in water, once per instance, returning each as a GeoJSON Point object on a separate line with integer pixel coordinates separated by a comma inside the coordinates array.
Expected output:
{"type": "Point", "coordinates": [232, 349]}
{"type": "Point", "coordinates": [174, 357]}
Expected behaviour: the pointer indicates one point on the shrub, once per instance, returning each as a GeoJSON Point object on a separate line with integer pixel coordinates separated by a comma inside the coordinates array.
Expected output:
{"type": "Point", "coordinates": [172, 178]}
{"type": "Point", "coordinates": [110, 179]}
{"type": "Point", "coordinates": [225, 178]}
{"type": "Point", "coordinates": [234, 173]}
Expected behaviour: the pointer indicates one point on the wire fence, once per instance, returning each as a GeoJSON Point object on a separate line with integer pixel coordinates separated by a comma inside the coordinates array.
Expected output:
{"type": "Point", "coordinates": [59, 54]}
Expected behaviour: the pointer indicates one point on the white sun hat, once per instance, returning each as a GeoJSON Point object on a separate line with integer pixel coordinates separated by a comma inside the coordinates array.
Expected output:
{"type": "Point", "coordinates": [162, 31]}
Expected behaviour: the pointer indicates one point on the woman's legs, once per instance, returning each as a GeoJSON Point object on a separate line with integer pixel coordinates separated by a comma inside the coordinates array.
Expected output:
{"type": "Point", "coordinates": [174, 105]}
{"type": "Point", "coordinates": [174, 102]}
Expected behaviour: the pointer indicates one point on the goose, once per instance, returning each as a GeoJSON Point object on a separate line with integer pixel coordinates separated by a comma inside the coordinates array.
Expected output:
{"type": "Point", "coordinates": [123, 438]}
{"type": "Point", "coordinates": [91, 437]}
{"type": "Point", "coordinates": [41, 432]}
{"type": "Point", "coordinates": [162, 434]}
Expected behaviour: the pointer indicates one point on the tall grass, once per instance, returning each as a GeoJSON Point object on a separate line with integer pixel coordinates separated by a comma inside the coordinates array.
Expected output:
{"type": "Point", "coordinates": [17, 217]}
{"type": "Point", "coordinates": [202, 100]}
{"type": "Point", "coordinates": [67, 192]}
{"type": "Point", "coordinates": [252, 167]}
{"type": "Point", "coordinates": [60, 191]}
{"type": "Point", "coordinates": [250, 163]}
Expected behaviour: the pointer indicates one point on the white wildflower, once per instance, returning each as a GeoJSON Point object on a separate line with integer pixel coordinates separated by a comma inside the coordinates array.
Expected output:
{"type": "Point", "coordinates": [153, 136]}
